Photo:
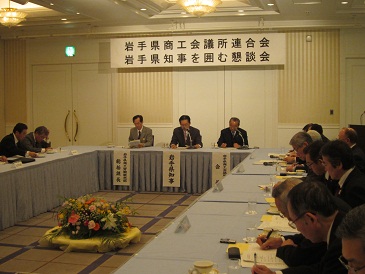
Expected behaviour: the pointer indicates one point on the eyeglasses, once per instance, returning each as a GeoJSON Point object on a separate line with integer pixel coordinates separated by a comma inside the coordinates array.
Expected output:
{"type": "Point", "coordinates": [292, 223]}
{"type": "Point", "coordinates": [309, 165]}
{"type": "Point", "coordinates": [344, 262]}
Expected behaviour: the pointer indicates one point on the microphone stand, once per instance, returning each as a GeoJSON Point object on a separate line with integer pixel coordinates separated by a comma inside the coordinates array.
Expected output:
{"type": "Point", "coordinates": [191, 141]}
{"type": "Point", "coordinates": [244, 146]}
{"type": "Point", "coordinates": [362, 114]}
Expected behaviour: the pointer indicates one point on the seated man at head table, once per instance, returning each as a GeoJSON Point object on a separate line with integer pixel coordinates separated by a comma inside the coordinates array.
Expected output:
{"type": "Point", "coordinates": [233, 136]}
{"type": "Point", "coordinates": [352, 233]}
{"type": "Point", "coordinates": [9, 145]}
{"type": "Point", "coordinates": [186, 135]}
{"type": "Point", "coordinates": [33, 140]}
{"type": "Point", "coordinates": [349, 136]}
{"type": "Point", "coordinates": [313, 211]}
{"type": "Point", "coordinates": [299, 141]}
{"type": "Point", "coordinates": [338, 161]}
{"type": "Point", "coordinates": [140, 132]}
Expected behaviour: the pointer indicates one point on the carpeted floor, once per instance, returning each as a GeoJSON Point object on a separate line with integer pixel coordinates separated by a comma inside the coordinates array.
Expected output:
{"type": "Point", "coordinates": [20, 252]}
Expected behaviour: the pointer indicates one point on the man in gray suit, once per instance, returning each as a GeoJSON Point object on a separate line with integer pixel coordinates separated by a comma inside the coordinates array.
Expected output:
{"type": "Point", "coordinates": [140, 132]}
{"type": "Point", "coordinates": [33, 140]}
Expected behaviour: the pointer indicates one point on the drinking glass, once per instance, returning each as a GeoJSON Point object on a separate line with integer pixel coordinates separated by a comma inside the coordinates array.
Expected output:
{"type": "Point", "coordinates": [251, 206]}
{"type": "Point", "coordinates": [234, 266]}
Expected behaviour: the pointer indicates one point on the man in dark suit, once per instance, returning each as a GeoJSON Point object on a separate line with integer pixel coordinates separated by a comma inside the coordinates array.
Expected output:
{"type": "Point", "coordinates": [339, 163]}
{"type": "Point", "coordinates": [313, 212]}
{"type": "Point", "coordinates": [352, 233]}
{"type": "Point", "coordinates": [349, 136]}
{"type": "Point", "coordinates": [233, 136]}
{"type": "Point", "coordinates": [140, 132]}
{"type": "Point", "coordinates": [186, 135]}
{"type": "Point", "coordinates": [33, 140]}
{"type": "Point", "coordinates": [9, 145]}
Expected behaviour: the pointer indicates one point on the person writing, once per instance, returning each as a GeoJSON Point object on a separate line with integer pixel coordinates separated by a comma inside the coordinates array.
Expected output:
{"type": "Point", "coordinates": [33, 140]}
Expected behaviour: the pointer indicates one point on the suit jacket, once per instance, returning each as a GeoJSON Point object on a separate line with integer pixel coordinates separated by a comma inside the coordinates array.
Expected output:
{"type": "Point", "coordinates": [178, 137]}
{"type": "Point", "coordinates": [8, 148]}
{"type": "Point", "coordinates": [353, 189]}
{"type": "Point", "coordinates": [29, 143]}
{"type": "Point", "coordinates": [146, 136]}
{"type": "Point", "coordinates": [305, 253]}
{"type": "Point", "coordinates": [227, 137]}
{"type": "Point", "coordinates": [359, 157]}
{"type": "Point", "coordinates": [329, 263]}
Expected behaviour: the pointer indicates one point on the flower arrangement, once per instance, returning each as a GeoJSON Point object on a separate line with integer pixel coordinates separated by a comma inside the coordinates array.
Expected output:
{"type": "Point", "coordinates": [89, 216]}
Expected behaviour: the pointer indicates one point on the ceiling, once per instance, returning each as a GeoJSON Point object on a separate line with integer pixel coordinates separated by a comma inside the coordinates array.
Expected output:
{"type": "Point", "coordinates": [117, 18]}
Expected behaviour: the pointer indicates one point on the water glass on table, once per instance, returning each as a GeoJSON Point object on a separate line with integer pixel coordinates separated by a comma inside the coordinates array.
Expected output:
{"type": "Point", "coordinates": [234, 266]}
{"type": "Point", "coordinates": [251, 206]}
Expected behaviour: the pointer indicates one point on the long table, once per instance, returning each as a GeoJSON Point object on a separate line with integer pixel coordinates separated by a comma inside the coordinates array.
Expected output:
{"type": "Point", "coordinates": [214, 216]}
{"type": "Point", "coordinates": [40, 186]}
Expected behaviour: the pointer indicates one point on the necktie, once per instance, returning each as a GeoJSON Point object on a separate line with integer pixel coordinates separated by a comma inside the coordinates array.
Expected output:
{"type": "Point", "coordinates": [233, 133]}
{"type": "Point", "coordinates": [139, 134]}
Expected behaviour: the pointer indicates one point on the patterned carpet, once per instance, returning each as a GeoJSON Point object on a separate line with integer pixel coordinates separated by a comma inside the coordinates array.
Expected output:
{"type": "Point", "coordinates": [20, 252]}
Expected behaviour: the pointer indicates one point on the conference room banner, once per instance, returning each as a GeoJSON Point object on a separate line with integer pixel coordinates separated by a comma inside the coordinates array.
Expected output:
{"type": "Point", "coordinates": [121, 167]}
{"type": "Point", "coordinates": [200, 50]}
{"type": "Point", "coordinates": [221, 163]}
{"type": "Point", "coordinates": [171, 168]}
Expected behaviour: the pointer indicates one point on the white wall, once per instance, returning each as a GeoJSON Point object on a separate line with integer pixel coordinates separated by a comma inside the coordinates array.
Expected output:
{"type": "Point", "coordinates": [210, 96]}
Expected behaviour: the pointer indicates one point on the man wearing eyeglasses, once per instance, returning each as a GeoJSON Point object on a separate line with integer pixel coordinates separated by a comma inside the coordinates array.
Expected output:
{"type": "Point", "coordinates": [312, 210]}
{"type": "Point", "coordinates": [299, 141]}
{"type": "Point", "coordinates": [352, 233]}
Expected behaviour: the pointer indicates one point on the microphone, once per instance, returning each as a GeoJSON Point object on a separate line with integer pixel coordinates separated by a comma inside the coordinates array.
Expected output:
{"type": "Point", "coordinates": [240, 134]}
{"type": "Point", "coordinates": [361, 117]}
{"type": "Point", "coordinates": [191, 141]}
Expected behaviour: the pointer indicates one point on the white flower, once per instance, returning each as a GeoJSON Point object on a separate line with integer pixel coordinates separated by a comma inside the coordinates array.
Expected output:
{"type": "Point", "coordinates": [109, 221]}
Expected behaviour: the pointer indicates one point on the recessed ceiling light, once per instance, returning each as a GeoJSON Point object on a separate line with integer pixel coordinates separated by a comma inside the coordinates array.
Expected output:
{"type": "Point", "coordinates": [77, 13]}
{"type": "Point", "coordinates": [143, 9]}
{"type": "Point", "coordinates": [344, 2]}
{"type": "Point", "coordinates": [64, 19]}
{"type": "Point", "coordinates": [51, 4]}
{"type": "Point", "coordinates": [270, 4]}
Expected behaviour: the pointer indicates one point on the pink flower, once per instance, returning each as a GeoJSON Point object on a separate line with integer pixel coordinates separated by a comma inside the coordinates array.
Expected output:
{"type": "Point", "coordinates": [92, 208]}
{"type": "Point", "coordinates": [91, 225]}
{"type": "Point", "coordinates": [73, 218]}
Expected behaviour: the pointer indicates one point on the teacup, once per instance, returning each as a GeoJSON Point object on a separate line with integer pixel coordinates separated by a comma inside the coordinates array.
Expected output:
{"type": "Point", "coordinates": [203, 267]}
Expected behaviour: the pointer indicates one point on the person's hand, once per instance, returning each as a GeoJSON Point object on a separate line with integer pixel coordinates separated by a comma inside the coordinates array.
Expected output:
{"type": "Point", "coordinates": [3, 159]}
{"type": "Point", "coordinates": [197, 146]}
{"type": "Point", "coordinates": [288, 242]}
{"type": "Point", "coordinates": [223, 145]}
{"type": "Point", "coordinates": [235, 145]}
{"type": "Point", "coordinates": [261, 269]}
{"type": "Point", "coordinates": [289, 159]}
{"type": "Point", "coordinates": [32, 154]}
{"type": "Point", "coordinates": [173, 146]}
{"type": "Point", "coordinates": [271, 243]}
{"type": "Point", "coordinates": [49, 148]}
{"type": "Point", "coordinates": [291, 168]}
{"type": "Point", "coordinates": [141, 145]}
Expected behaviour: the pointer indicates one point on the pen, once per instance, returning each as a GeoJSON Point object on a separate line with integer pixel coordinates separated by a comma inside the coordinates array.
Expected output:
{"type": "Point", "coordinates": [254, 259]}
{"type": "Point", "coordinates": [268, 235]}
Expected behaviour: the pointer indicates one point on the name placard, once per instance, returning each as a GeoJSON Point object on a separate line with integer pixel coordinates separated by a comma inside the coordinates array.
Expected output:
{"type": "Point", "coordinates": [74, 152]}
{"type": "Point", "coordinates": [121, 167]}
{"type": "Point", "coordinates": [200, 50]}
{"type": "Point", "coordinates": [17, 164]}
{"type": "Point", "coordinates": [171, 168]}
{"type": "Point", "coordinates": [221, 163]}
{"type": "Point", "coordinates": [183, 225]}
